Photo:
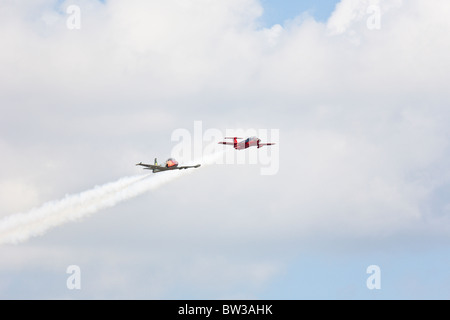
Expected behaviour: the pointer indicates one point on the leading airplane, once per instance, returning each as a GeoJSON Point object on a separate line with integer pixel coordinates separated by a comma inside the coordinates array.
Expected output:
{"type": "Point", "coordinates": [171, 164]}
{"type": "Point", "coordinates": [244, 144]}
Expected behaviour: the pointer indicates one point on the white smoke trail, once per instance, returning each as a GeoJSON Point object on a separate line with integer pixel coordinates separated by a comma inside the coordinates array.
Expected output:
{"type": "Point", "coordinates": [21, 226]}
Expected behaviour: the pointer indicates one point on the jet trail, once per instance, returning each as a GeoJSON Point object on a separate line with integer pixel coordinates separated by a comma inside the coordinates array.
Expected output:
{"type": "Point", "coordinates": [21, 226]}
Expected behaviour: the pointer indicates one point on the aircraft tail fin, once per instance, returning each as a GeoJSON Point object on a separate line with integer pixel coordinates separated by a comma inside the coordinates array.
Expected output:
{"type": "Point", "coordinates": [156, 162]}
{"type": "Point", "coordinates": [234, 140]}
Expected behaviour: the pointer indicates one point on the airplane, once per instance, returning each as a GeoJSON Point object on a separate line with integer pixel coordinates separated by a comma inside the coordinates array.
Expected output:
{"type": "Point", "coordinates": [244, 144]}
{"type": "Point", "coordinates": [171, 164]}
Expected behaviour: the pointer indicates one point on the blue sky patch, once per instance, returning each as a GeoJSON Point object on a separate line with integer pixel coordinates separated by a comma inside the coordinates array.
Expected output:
{"type": "Point", "coordinates": [278, 11]}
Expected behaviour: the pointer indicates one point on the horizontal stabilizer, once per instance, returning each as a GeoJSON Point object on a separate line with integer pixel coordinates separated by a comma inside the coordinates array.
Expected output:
{"type": "Point", "coordinates": [265, 144]}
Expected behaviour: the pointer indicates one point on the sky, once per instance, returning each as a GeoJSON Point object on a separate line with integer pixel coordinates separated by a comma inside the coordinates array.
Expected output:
{"type": "Point", "coordinates": [278, 12]}
{"type": "Point", "coordinates": [354, 93]}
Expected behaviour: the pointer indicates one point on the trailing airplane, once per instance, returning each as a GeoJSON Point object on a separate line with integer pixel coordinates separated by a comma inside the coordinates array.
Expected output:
{"type": "Point", "coordinates": [171, 164]}
{"type": "Point", "coordinates": [244, 144]}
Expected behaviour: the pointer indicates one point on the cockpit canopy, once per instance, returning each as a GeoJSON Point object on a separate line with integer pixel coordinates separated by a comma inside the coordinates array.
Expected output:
{"type": "Point", "coordinates": [251, 139]}
{"type": "Point", "coordinates": [171, 162]}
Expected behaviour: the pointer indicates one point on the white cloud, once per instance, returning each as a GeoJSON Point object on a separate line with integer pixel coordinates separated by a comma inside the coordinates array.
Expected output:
{"type": "Point", "coordinates": [17, 195]}
{"type": "Point", "coordinates": [165, 57]}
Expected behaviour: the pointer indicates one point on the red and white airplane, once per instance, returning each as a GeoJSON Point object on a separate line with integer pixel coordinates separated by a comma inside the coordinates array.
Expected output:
{"type": "Point", "coordinates": [244, 144]}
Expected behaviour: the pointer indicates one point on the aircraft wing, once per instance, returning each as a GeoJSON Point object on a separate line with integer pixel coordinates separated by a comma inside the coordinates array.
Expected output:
{"type": "Point", "coordinates": [157, 168]}
{"type": "Point", "coordinates": [152, 167]}
{"type": "Point", "coordinates": [225, 142]}
{"type": "Point", "coordinates": [265, 144]}
{"type": "Point", "coordinates": [187, 167]}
